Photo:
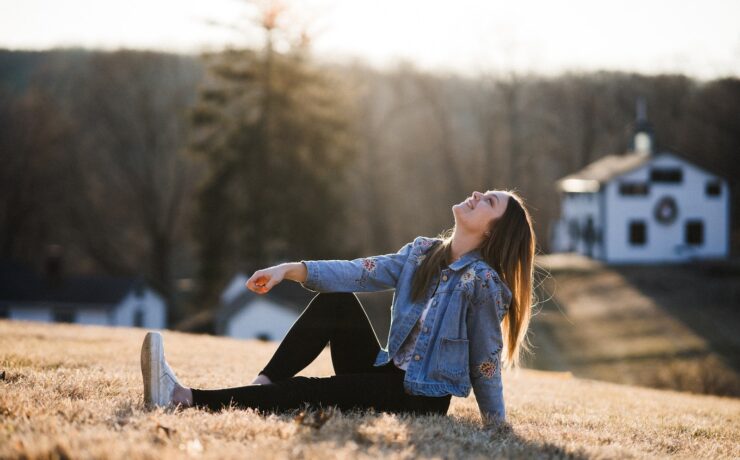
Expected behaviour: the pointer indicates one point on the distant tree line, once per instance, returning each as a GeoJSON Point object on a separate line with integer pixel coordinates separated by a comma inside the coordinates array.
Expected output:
{"type": "Point", "coordinates": [92, 146]}
{"type": "Point", "coordinates": [180, 166]}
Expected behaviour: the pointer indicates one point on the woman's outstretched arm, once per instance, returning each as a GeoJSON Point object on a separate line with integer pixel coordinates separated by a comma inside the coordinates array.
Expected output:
{"type": "Point", "coordinates": [263, 280]}
{"type": "Point", "coordinates": [366, 274]}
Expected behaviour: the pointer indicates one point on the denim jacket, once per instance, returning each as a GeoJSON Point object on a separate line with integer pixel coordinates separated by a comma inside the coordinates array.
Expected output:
{"type": "Point", "coordinates": [460, 343]}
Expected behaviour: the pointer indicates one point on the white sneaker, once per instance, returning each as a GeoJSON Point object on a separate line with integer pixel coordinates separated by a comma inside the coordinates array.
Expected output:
{"type": "Point", "coordinates": [159, 380]}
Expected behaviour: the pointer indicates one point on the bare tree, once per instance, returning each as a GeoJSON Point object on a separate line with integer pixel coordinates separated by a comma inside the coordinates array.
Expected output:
{"type": "Point", "coordinates": [134, 180]}
{"type": "Point", "coordinates": [34, 138]}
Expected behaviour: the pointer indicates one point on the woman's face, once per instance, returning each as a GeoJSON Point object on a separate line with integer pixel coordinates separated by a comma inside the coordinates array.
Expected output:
{"type": "Point", "coordinates": [477, 211]}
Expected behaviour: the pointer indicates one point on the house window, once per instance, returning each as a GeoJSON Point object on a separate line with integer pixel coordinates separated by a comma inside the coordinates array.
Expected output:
{"type": "Point", "coordinates": [139, 318]}
{"type": "Point", "coordinates": [633, 188]}
{"type": "Point", "coordinates": [64, 316]}
{"type": "Point", "coordinates": [638, 233]}
{"type": "Point", "coordinates": [714, 188]}
{"type": "Point", "coordinates": [666, 175]}
{"type": "Point", "coordinates": [694, 232]}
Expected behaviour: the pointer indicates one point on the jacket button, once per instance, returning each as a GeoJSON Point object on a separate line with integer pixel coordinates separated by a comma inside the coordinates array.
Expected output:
{"type": "Point", "coordinates": [444, 278]}
{"type": "Point", "coordinates": [417, 357]}
{"type": "Point", "coordinates": [426, 329]}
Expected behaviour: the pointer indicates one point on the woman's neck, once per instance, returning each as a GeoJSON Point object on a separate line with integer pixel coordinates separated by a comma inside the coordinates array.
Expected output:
{"type": "Point", "coordinates": [462, 243]}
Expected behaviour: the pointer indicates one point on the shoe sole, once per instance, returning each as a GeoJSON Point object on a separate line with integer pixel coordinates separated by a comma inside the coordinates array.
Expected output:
{"type": "Point", "coordinates": [151, 351]}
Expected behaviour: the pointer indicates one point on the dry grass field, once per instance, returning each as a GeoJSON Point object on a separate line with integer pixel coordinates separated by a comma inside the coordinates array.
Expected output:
{"type": "Point", "coordinates": [72, 391]}
{"type": "Point", "coordinates": [672, 327]}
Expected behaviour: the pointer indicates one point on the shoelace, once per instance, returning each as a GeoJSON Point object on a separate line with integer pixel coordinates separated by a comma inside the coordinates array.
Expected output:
{"type": "Point", "coordinates": [169, 373]}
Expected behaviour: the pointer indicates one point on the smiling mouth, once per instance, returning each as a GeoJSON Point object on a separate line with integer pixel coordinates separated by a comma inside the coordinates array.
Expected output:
{"type": "Point", "coordinates": [468, 203]}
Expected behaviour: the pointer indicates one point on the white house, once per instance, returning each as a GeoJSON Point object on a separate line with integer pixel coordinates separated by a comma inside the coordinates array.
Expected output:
{"type": "Point", "coordinates": [100, 300]}
{"type": "Point", "coordinates": [643, 207]}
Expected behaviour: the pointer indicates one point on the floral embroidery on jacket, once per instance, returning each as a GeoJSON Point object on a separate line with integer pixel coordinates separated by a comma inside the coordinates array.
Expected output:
{"type": "Point", "coordinates": [489, 277]}
{"type": "Point", "coordinates": [467, 277]}
{"type": "Point", "coordinates": [486, 279]}
{"type": "Point", "coordinates": [369, 264]}
{"type": "Point", "coordinates": [488, 367]}
{"type": "Point", "coordinates": [426, 243]}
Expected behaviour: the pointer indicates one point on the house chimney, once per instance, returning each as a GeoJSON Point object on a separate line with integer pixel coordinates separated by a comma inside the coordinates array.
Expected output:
{"type": "Point", "coordinates": [643, 139]}
{"type": "Point", "coordinates": [53, 268]}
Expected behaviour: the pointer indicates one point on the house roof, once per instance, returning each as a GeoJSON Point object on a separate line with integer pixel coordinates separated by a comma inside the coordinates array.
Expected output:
{"type": "Point", "coordinates": [590, 178]}
{"type": "Point", "coordinates": [23, 286]}
{"type": "Point", "coordinates": [601, 171]}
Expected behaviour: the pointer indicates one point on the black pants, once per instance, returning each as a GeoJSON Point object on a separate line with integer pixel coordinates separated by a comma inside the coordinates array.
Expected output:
{"type": "Point", "coordinates": [340, 320]}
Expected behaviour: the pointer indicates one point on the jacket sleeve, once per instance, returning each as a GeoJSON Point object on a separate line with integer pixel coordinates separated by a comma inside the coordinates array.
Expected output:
{"type": "Point", "coordinates": [366, 274]}
{"type": "Point", "coordinates": [488, 306]}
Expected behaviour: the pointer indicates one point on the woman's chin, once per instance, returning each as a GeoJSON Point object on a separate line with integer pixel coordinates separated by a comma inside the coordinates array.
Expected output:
{"type": "Point", "coordinates": [460, 207]}
{"type": "Point", "coordinates": [457, 209]}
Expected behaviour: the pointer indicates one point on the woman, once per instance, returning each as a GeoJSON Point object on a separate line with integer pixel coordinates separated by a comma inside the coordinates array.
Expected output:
{"type": "Point", "coordinates": [452, 294]}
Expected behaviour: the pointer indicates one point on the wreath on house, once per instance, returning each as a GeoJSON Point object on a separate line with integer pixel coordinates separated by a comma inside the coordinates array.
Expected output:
{"type": "Point", "coordinates": [666, 210]}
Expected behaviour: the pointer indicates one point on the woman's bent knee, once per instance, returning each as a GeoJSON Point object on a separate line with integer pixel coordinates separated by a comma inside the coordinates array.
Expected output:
{"type": "Point", "coordinates": [343, 300]}
{"type": "Point", "coordinates": [336, 296]}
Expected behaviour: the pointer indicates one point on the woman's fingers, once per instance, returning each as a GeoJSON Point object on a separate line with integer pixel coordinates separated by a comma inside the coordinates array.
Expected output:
{"type": "Point", "coordinates": [257, 281]}
{"type": "Point", "coordinates": [263, 280]}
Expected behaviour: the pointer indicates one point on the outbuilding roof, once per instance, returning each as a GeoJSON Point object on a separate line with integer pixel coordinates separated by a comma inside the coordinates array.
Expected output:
{"type": "Point", "coordinates": [23, 286]}
{"type": "Point", "coordinates": [288, 294]}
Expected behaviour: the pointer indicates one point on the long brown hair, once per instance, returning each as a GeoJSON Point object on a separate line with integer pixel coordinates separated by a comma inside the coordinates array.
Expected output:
{"type": "Point", "coordinates": [509, 250]}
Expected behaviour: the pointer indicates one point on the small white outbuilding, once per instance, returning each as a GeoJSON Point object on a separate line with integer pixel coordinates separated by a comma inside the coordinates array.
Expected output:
{"type": "Point", "coordinates": [82, 299]}
{"type": "Point", "coordinates": [643, 207]}
{"type": "Point", "coordinates": [244, 314]}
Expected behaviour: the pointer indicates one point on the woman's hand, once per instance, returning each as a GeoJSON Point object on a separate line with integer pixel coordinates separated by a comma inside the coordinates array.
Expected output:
{"type": "Point", "coordinates": [263, 280]}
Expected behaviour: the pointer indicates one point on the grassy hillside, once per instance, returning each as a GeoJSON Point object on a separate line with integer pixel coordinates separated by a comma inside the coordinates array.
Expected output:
{"type": "Point", "coordinates": [75, 391]}
{"type": "Point", "coordinates": [670, 326]}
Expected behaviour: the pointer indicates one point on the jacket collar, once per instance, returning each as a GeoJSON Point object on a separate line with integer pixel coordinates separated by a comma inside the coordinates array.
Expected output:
{"type": "Point", "coordinates": [466, 259]}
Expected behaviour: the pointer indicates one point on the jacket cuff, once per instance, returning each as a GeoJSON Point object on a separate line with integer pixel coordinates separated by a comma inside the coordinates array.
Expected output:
{"type": "Point", "coordinates": [312, 275]}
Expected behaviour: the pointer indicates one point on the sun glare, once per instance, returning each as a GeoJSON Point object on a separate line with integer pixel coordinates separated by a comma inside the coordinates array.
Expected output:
{"type": "Point", "coordinates": [464, 35]}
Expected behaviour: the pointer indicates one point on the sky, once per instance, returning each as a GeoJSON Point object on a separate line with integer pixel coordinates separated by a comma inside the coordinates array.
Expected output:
{"type": "Point", "coordinates": [698, 38]}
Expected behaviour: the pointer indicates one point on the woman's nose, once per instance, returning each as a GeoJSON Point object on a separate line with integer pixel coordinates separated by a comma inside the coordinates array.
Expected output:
{"type": "Point", "coordinates": [476, 195]}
